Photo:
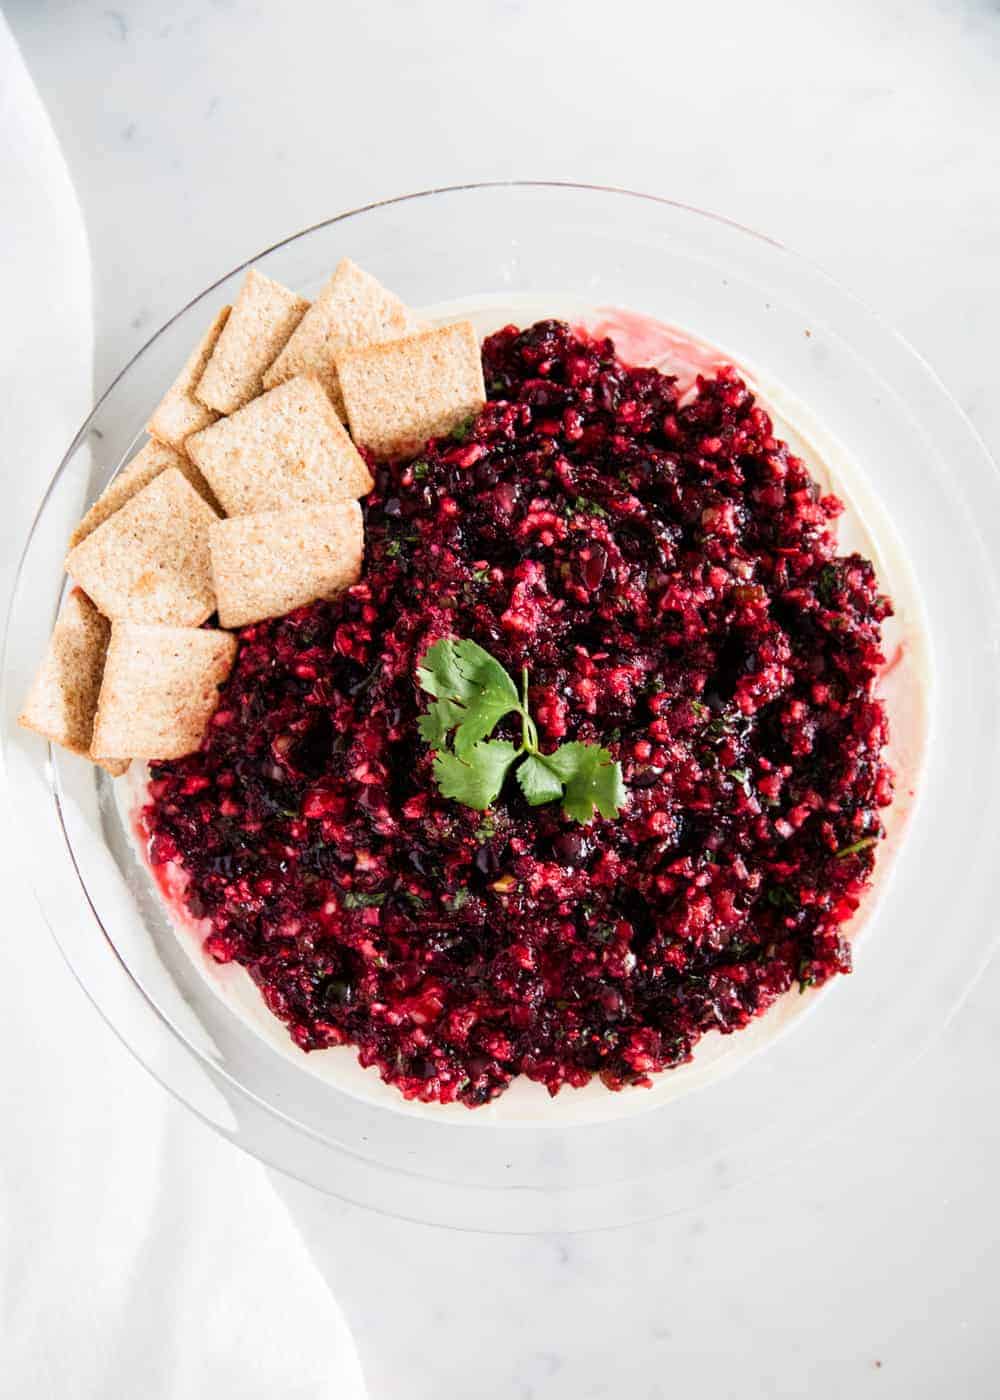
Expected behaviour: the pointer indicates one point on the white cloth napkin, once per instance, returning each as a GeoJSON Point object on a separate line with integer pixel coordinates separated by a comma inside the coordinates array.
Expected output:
{"type": "Point", "coordinates": [140, 1256]}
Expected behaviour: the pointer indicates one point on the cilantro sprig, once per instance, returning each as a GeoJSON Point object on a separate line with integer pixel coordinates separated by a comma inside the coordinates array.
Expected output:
{"type": "Point", "coordinates": [471, 694]}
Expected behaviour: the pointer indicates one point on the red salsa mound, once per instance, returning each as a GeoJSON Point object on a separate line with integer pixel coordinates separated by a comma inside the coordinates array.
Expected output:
{"type": "Point", "coordinates": [667, 570]}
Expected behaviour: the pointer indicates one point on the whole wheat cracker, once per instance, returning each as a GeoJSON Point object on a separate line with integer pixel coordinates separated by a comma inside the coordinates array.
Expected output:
{"type": "Point", "coordinates": [150, 560]}
{"type": "Point", "coordinates": [179, 414]}
{"type": "Point", "coordinates": [352, 309]}
{"type": "Point", "coordinates": [401, 392]}
{"type": "Point", "coordinates": [149, 461]}
{"type": "Point", "coordinates": [62, 701]}
{"type": "Point", "coordinates": [115, 766]}
{"type": "Point", "coordinates": [287, 448]}
{"type": "Point", "coordinates": [266, 565]}
{"type": "Point", "coordinates": [160, 688]}
{"type": "Point", "coordinates": [263, 317]}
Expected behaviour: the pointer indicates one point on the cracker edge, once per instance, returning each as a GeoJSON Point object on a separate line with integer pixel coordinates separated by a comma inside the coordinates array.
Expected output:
{"type": "Point", "coordinates": [279, 373]}
{"type": "Point", "coordinates": [182, 463]}
{"type": "Point", "coordinates": [114, 766]}
{"type": "Point", "coordinates": [182, 389]}
{"type": "Point", "coordinates": [232, 326]}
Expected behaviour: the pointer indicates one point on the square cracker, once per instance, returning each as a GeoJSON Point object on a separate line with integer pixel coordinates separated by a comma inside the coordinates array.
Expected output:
{"type": "Point", "coordinates": [287, 448]}
{"type": "Point", "coordinates": [352, 309]}
{"type": "Point", "coordinates": [63, 698]}
{"type": "Point", "coordinates": [268, 564]}
{"type": "Point", "coordinates": [150, 561]}
{"type": "Point", "coordinates": [179, 414]}
{"type": "Point", "coordinates": [401, 392]}
{"type": "Point", "coordinates": [160, 688]}
{"type": "Point", "coordinates": [152, 459]}
{"type": "Point", "coordinates": [263, 317]}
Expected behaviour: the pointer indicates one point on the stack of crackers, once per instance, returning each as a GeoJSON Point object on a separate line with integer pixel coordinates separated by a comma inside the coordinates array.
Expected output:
{"type": "Point", "coordinates": [242, 506]}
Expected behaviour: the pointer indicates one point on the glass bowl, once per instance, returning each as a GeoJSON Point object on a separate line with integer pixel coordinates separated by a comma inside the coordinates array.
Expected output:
{"type": "Point", "coordinates": [914, 457]}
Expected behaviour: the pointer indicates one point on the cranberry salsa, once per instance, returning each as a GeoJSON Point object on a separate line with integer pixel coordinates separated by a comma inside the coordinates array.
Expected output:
{"type": "Point", "coordinates": [667, 572]}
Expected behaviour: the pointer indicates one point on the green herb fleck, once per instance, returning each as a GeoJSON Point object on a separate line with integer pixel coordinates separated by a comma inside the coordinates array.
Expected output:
{"type": "Point", "coordinates": [394, 549]}
{"type": "Point", "coordinates": [827, 583]}
{"type": "Point", "coordinates": [856, 846]}
{"type": "Point", "coordinates": [459, 900]}
{"type": "Point", "coordinates": [462, 430]}
{"type": "Point", "coordinates": [357, 899]}
{"type": "Point", "coordinates": [421, 470]}
{"type": "Point", "coordinates": [585, 506]}
{"type": "Point", "coordinates": [780, 897]}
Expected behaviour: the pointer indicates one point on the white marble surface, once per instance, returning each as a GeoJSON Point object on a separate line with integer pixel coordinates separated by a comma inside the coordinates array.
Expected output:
{"type": "Point", "coordinates": [863, 134]}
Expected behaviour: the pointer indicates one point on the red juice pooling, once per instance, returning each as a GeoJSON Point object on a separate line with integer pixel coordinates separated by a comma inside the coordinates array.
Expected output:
{"type": "Point", "coordinates": [669, 576]}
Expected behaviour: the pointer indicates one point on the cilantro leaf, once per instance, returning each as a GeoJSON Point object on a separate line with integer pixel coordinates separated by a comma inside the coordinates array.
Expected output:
{"type": "Point", "coordinates": [440, 718]}
{"type": "Point", "coordinates": [480, 719]}
{"type": "Point", "coordinates": [459, 670]}
{"type": "Point", "coordinates": [478, 688]}
{"type": "Point", "coordinates": [471, 693]}
{"type": "Point", "coordinates": [475, 780]}
{"type": "Point", "coordinates": [592, 779]}
{"type": "Point", "coordinates": [538, 782]}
